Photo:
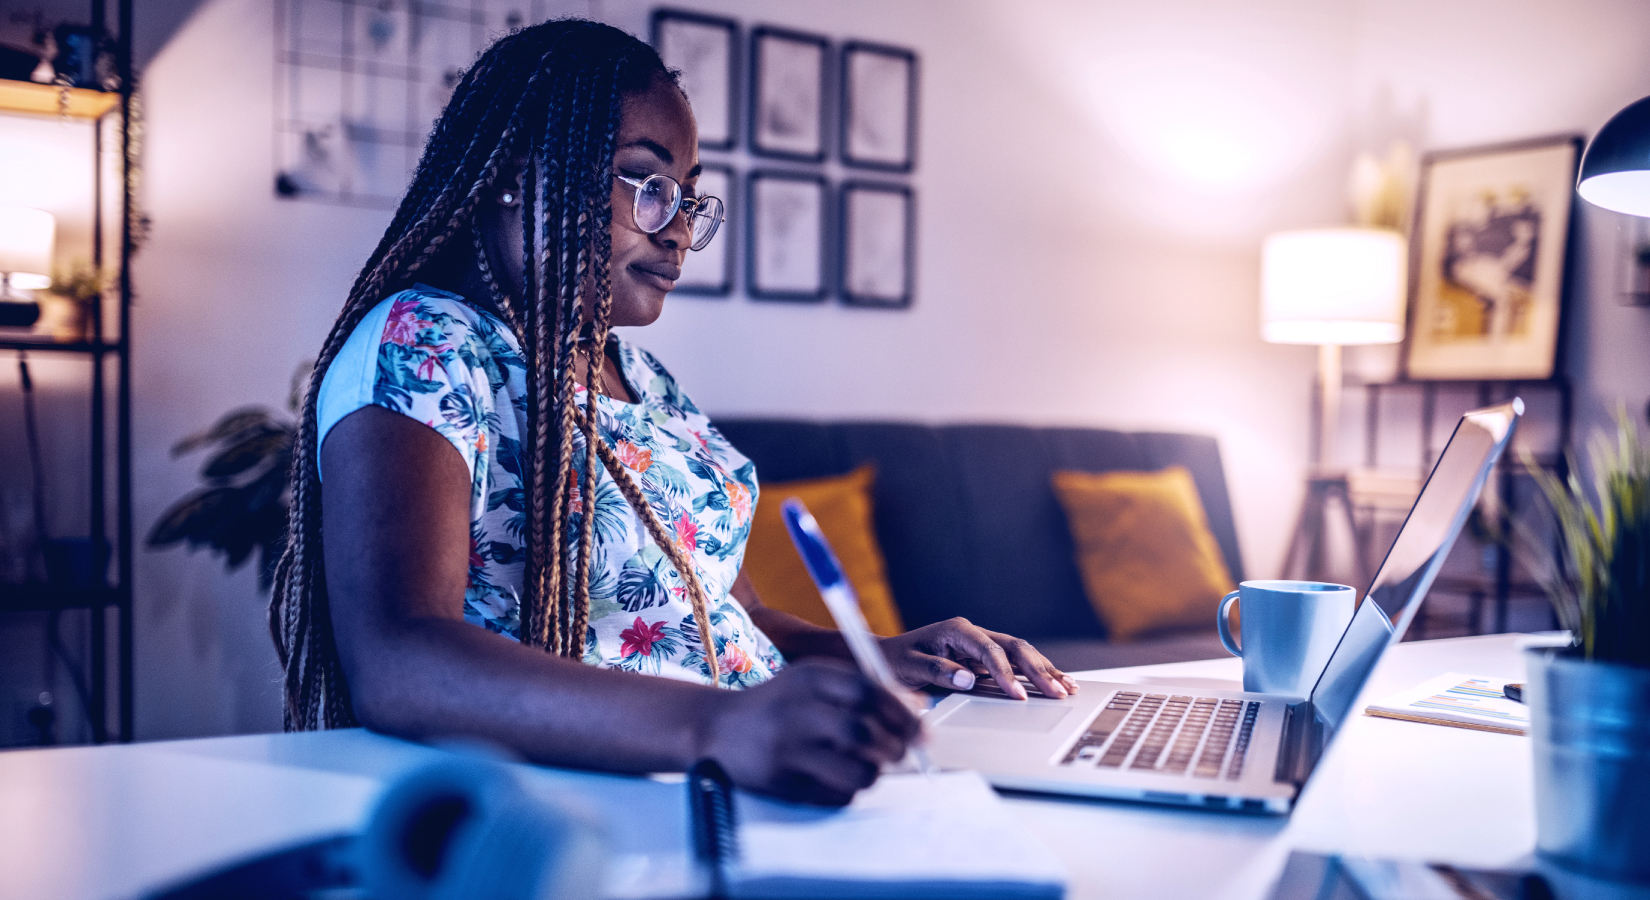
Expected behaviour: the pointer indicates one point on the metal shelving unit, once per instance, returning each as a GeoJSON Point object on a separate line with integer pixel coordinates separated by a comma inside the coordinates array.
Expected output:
{"type": "Point", "coordinates": [1502, 585]}
{"type": "Point", "coordinates": [99, 349]}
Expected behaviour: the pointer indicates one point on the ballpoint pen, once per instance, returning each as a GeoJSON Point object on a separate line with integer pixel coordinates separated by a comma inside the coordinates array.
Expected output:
{"type": "Point", "coordinates": [840, 599]}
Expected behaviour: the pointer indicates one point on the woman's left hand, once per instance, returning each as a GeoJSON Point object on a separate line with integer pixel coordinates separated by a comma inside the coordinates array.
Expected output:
{"type": "Point", "coordinates": [949, 653]}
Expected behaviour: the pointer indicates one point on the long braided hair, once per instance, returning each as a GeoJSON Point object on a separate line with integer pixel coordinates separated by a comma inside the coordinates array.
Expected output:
{"type": "Point", "coordinates": [551, 94]}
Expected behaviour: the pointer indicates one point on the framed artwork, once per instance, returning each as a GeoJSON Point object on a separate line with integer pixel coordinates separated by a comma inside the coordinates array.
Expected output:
{"type": "Point", "coordinates": [787, 117]}
{"type": "Point", "coordinates": [1487, 260]}
{"type": "Point", "coordinates": [705, 49]}
{"type": "Point", "coordinates": [786, 229]}
{"type": "Point", "coordinates": [878, 224]}
{"type": "Point", "coordinates": [879, 107]}
{"type": "Point", "coordinates": [709, 272]}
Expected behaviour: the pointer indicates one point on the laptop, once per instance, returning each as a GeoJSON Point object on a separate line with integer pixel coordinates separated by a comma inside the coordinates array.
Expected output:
{"type": "Point", "coordinates": [1222, 749]}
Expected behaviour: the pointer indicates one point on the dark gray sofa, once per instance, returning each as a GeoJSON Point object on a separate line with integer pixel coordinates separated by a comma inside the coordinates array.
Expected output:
{"type": "Point", "coordinates": [969, 524]}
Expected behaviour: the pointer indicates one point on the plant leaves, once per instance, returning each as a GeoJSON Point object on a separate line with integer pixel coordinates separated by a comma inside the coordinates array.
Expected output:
{"type": "Point", "coordinates": [195, 518]}
{"type": "Point", "coordinates": [231, 424]}
{"type": "Point", "coordinates": [247, 452]}
{"type": "Point", "coordinates": [267, 489]}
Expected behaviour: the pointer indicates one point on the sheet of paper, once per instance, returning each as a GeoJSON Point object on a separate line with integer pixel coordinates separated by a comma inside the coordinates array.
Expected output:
{"type": "Point", "coordinates": [905, 829]}
{"type": "Point", "coordinates": [906, 835]}
{"type": "Point", "coordinates": [1458, 698]}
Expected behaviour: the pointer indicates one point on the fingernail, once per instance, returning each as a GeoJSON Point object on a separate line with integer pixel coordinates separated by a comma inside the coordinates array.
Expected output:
{"type": "Point", "coordinates": [963, 679]}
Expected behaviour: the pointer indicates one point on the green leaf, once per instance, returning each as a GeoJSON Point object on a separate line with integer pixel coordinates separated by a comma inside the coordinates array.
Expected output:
{"type": "Point", "coordinates": [193, 518]}
{"type": "Point", "coordinates": [231, 424]}
{"type": "Point", "coordinates": [247, 452]}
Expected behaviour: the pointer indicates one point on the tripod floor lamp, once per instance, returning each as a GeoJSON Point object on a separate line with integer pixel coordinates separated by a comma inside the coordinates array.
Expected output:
{"type": "Point", "coordinates": [1330, 287]}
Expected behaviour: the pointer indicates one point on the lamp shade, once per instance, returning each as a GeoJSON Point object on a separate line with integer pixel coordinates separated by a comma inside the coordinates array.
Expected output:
{"type": "Point", "coordinates": [1615, 170]}
{"type": "Point", "coordinates": [26, 237]}
{"type": "Point", "coordinates": [1333, 286]}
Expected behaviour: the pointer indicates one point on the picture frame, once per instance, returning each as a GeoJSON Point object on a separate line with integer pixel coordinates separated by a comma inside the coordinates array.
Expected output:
{"type": "Point", "coordinates": [878, 232]}
{"type": "Point", "coordinates": [786, 255]}
{"type": "Point", "coordinates": [879, 107]}
{"type": "Point", "coordinates": [709, 272]}
{"type": "Point", "coordinates": [788, 94]}
{"type": "Point", "coordinates": [1487, 261]}
{"type": "Point", "coordinates": [705, 50]}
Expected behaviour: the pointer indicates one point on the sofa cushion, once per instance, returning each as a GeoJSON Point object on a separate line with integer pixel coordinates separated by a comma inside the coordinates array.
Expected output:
{"type": "Point", "coordinates": [1144, 549]}
{"type": "Point", "coordinates": [841, 504]}
{"type": "Point", "coordinates": [965, 514]}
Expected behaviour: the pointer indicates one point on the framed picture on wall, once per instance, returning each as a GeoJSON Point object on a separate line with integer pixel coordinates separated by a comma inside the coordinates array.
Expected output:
{"type": "Point", "coordinates": [878, 237]}
{"type": "Point", "coordinates": [709, 272]}
{"type": "Point", "coordinates": [787, 117]}
{"type": "Point", "coordinates": [705, 49]}
{"type": "Point", "coordinates": [786, 230]}
{"type": "Point", "coordinates": [1487, 260]}
{"type": "Point", "coordinates": [879, 106]}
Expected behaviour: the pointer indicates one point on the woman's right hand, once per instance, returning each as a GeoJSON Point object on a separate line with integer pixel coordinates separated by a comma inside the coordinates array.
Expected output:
{"type": "Point", "coordinates": [817, 733]}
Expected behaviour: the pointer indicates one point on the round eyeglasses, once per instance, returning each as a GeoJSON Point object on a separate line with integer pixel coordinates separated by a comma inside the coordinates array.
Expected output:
{"type": "Point", "coordinates": [658, 200]}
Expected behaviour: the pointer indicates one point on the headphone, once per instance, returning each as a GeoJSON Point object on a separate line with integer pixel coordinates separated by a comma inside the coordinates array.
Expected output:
{"type": "Point", "coordinates": [469, 829]}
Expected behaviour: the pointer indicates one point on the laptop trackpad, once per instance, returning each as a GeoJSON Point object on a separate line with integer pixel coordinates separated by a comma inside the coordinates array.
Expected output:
{"type": "Point", "coordinates": [1006, 715]}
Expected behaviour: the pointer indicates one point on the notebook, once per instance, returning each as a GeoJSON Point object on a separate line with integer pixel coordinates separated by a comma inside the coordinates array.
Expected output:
{"type": "Point", "coordinates": [1460, 701]}
{"type": "Point", "coordinates": [908, 836]}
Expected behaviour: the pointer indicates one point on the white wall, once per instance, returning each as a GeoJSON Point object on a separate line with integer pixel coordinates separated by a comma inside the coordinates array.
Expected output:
{"type": "Point", "coordinates": [1484, 72]}
{"type": "Point", "coordinates": [1094, 182]}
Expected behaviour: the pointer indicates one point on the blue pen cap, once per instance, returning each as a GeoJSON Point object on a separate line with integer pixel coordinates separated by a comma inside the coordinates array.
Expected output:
{"type": "Point", "coordinates": [811, 543]}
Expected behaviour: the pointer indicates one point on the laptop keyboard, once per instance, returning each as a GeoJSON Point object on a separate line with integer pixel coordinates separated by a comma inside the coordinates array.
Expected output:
{"type": "Point", "coordinates": [1173, 734]}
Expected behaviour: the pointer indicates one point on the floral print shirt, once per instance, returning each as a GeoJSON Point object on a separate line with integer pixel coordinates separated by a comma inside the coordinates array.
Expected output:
{"type": "Point", "coordinates": [427, 354]}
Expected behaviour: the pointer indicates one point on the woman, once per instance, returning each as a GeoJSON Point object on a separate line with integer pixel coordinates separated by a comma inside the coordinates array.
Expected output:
{"type": "Point", "coordinates": [493, 456]}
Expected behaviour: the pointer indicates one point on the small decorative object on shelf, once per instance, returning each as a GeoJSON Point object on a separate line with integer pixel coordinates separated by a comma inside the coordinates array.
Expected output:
{"type": "Point", "coordinates": [1588, 702]}
{"type": "Point", "coordinates": [66, 309]}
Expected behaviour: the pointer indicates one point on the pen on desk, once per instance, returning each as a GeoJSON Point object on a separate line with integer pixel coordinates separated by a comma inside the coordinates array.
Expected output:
{"type": "Point", "coordinates": [840, 599]}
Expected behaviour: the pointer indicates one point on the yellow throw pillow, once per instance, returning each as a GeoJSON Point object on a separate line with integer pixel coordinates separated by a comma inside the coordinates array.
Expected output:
{"type": "Point", "coordinates": [1148, 559]}
{"type": "Point", "coordinates": [842, 506]}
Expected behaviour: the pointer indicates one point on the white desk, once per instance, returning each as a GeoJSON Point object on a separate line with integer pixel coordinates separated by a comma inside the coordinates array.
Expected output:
{"type": "Point", "coordinates": [110, 822]}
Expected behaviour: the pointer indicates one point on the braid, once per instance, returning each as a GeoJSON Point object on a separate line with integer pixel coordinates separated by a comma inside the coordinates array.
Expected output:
{"type": "Point", "coordinates": [597, 359]}
{"type": "Point", "coordinates": [565, 339]}
{"type": "Point", "coordinates": [553, 92]}
{"type": "Point", "coordinates": [580, 608]}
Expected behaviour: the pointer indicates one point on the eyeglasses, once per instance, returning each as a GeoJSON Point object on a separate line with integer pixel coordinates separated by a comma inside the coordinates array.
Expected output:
{"type": "Point", "coordinates": [658, 200]}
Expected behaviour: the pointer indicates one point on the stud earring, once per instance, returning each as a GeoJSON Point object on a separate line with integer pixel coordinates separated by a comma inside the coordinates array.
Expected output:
{"type": "Point", "coordinates": [509, 199]}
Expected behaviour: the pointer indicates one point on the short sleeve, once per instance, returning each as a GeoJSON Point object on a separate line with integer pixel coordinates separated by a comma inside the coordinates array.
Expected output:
{"type": "Point", "coordinates": [416, 353]}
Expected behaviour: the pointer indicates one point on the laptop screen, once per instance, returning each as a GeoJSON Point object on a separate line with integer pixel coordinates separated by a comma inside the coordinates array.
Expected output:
{"type": "Point", "coordinates": [1416, 555]}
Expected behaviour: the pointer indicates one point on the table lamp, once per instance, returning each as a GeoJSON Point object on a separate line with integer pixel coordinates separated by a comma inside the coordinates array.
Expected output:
{"type": "Point", "coordinates": [1332, 287]}
{"type": "Point", "coordinates": [26, 237]}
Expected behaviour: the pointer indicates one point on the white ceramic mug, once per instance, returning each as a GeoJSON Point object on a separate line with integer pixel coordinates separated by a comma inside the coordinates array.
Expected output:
{"type": "Point", "coordinates": [1289, 629]}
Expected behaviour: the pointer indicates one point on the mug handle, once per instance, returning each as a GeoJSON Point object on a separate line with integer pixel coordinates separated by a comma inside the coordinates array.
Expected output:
{"type": "Point", "coordinates": [1221, 624]}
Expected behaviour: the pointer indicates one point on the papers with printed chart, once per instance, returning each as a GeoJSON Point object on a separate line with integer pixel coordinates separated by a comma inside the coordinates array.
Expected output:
{"type": "Point", "coordinates": [1460, 701]}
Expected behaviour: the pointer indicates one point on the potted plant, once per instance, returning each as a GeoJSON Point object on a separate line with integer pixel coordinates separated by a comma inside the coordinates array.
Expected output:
{"type": "Point", "coordinates": [1590, 702]}
{"type": "Point", "coordinates": [66, 308]}
{"type": "Point", "coordinates": [243, 505]}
